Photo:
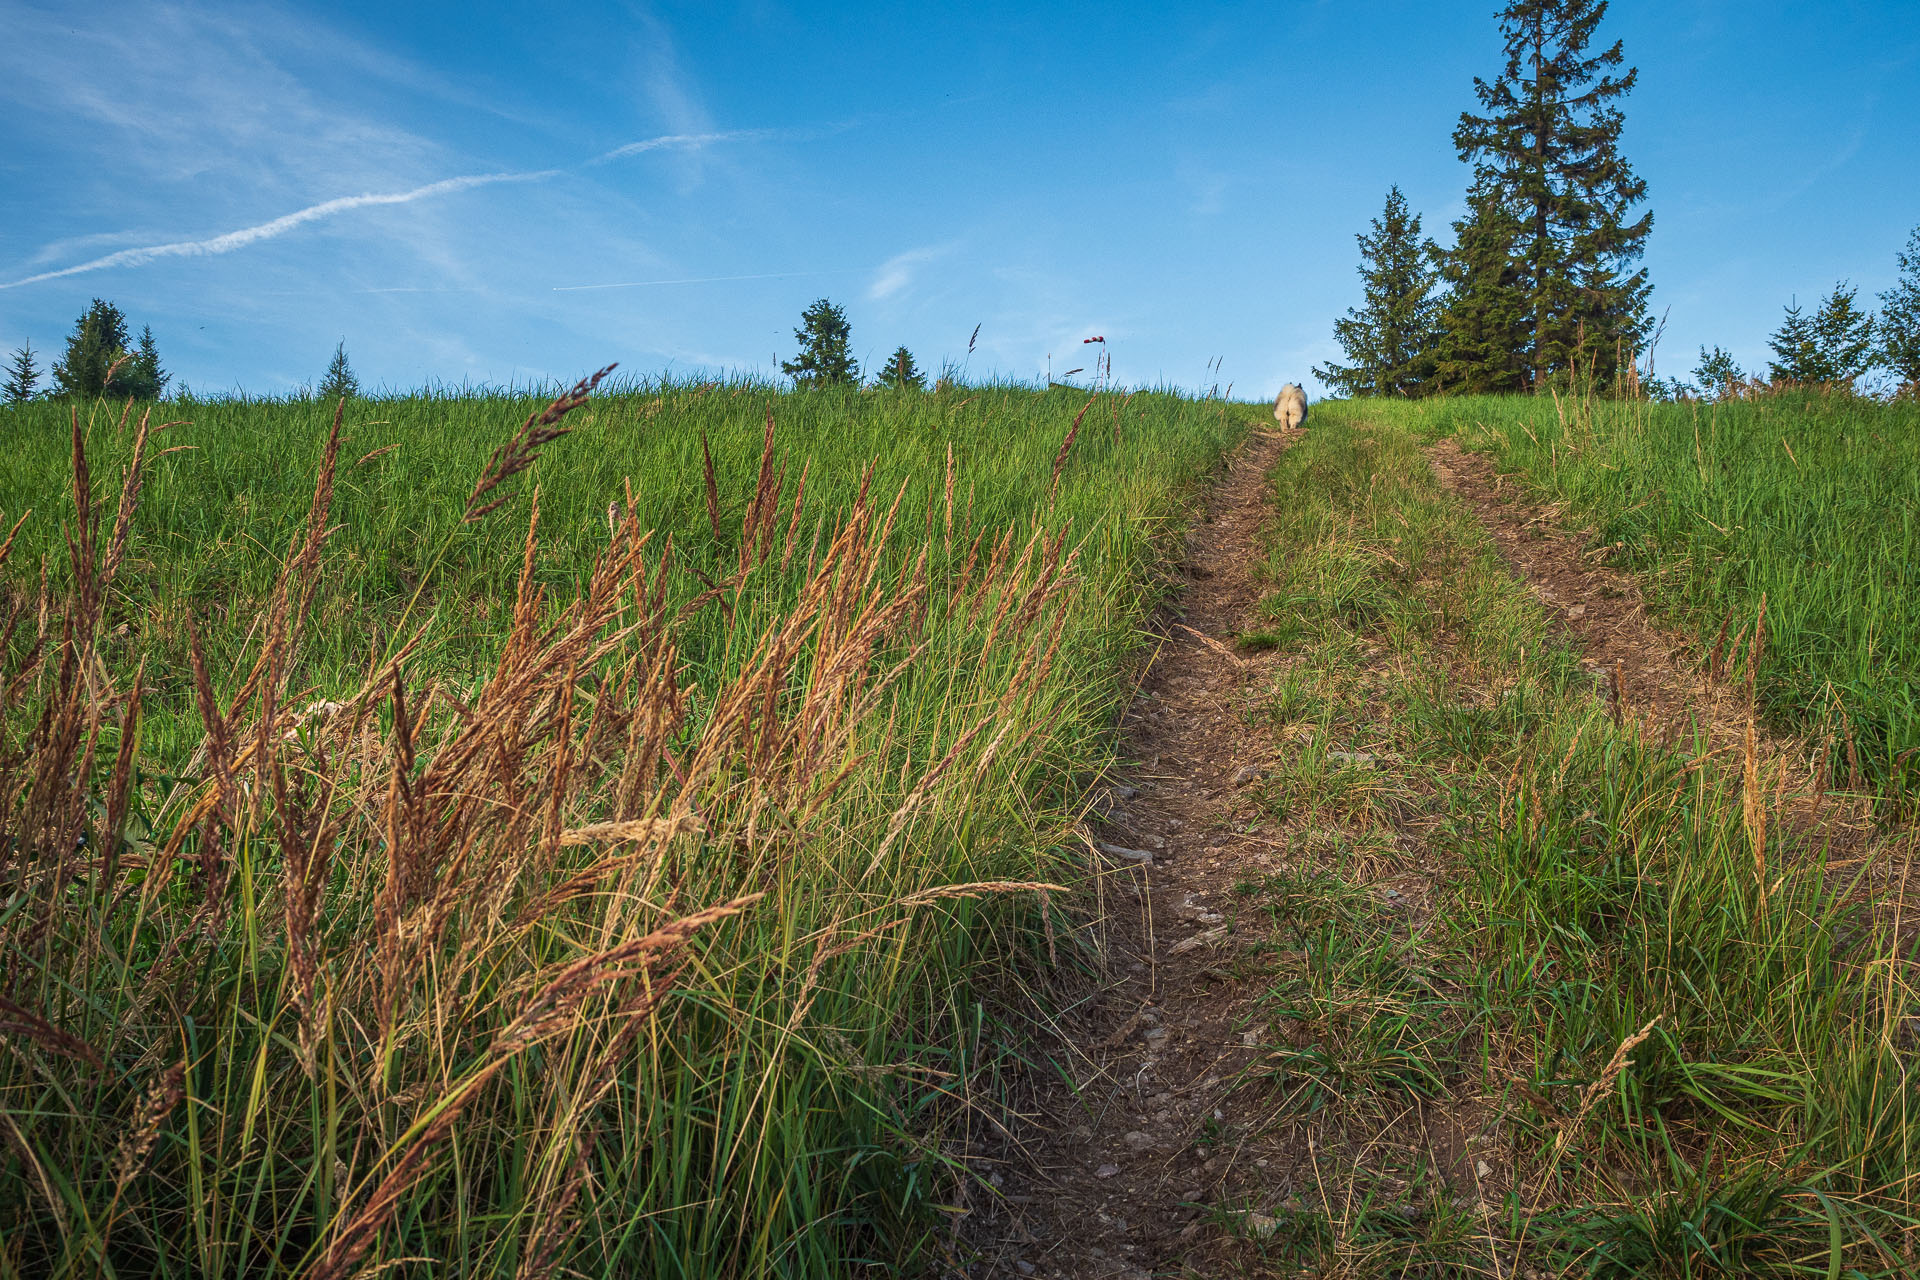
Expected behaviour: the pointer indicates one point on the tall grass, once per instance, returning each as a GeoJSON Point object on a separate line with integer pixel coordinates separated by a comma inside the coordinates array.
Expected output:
{"type": "Point", "coordinates": [399, 864]}
{"type": "Point", "coordinates": [1806, 499]}
{"type": "Point", "coordinates": [226, 490]}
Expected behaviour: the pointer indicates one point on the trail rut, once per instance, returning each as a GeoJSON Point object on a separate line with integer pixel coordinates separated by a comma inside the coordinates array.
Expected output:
{"type": "Point", "coordinates": [1656, 674]}
{"type": "Point", "coordinates": [1120, 1179]}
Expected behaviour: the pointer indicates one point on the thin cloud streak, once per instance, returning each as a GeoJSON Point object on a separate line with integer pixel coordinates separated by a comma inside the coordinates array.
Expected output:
{"type": "Point", "coordinates": [245, 236]}
{"type": "Point", "coordinates": [643, 284]}
{"type": "Point", "coordinates": [228, 242]}
{"type": "Point", "coordinates": [685, 142]}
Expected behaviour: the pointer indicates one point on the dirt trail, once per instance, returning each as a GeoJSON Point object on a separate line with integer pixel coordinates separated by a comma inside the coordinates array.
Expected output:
{"type": "Point", "coordinates": [1117, 1182]}
{"type": "Point", "coordinates": [1641, 668]}
{"type": "Point", "coordinates": [1655, 674]}
{"type": "Point", "coordinates": [1148, 1147]}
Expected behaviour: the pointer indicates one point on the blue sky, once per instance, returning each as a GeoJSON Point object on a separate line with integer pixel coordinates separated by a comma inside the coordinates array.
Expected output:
{"type": "Point", "coordinates": [488, 193]}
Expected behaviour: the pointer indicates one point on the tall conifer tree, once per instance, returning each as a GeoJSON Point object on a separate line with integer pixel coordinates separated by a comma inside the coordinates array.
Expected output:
{"type": "Point", "coordinates": [1389, 339]}
{"type": "Point", "coordinates": [339, 380]}
{"type": "Point", "coordinates": [97, 343]}
{"type": "Point", "coordinates": [826, 348]}
{"type": "Point", "coordinates": [143, 378]}
{"type": "Point", "coordinates": [1796, 357]}
{"type": "Point", "coordinates": [1835, 344]}
{"type": "Point", "coordinates": [1483, 317]}
{"type": "Point", "coordinates": [1845, 334]}
{"type": "Point", "coordinates": [1548, 148]}
{"type": "Point", "coordinates": [901, 373]}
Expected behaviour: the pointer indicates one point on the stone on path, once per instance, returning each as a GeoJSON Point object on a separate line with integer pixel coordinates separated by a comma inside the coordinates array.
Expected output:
{"type": "Point", "coordinates": [1198, 940]}
{"type": "Point", "coordinates": [1140, 856]}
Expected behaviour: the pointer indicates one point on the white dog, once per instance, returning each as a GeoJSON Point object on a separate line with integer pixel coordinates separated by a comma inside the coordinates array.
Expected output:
{"type": "Point", "coordinates": [1290, 406]}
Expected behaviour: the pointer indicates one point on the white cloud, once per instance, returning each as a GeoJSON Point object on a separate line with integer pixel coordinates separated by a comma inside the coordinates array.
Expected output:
{"type": "Point", "coordinates": [231, 240]}
{"type": "Point", "coordinates": [898, 272]}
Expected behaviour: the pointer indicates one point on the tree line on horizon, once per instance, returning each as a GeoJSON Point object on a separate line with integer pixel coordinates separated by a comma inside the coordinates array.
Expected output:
{"type": "Point", "coordinates": [1541, 285]}
{"type": "Point", "coordinates": [102, 358]}
{"type": "Point", "coordinates": [101, 361]}
{"type": "Point", "coordinates": [826, 358]}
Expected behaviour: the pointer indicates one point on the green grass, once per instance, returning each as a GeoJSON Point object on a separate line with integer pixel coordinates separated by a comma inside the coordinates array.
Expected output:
{"type": "Point", "coordinates": [1809, 500]}
{"type": "Point", "coordinates": [292, 994]}
{"type": "Point", "coordinates": [227, 491]}
{"type": "Point", "coordinates": [1582, 885]}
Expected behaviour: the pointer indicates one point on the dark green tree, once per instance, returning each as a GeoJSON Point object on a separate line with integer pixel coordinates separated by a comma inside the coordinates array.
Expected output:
{"type": "Point", "coordinates": [826, 354]}
{"type": "Point", "coordinates": [901, 373]}
{"type": "Point", "coordinates": [97, 343]}
{"type": "Point", "coordinates": [339, 380]}
{"type": "Point", "coordinates": [144, 378]}
{"type": "Point", "coordinates": [1718, 372]}
{"type": "Point", "coordinates": [1900, 317]}
{"type": "Point", "coordinates": [1389, 339]}
{"type": "Point", "coordinates": [23, 376]}
{"type": "Point", "coordinates": [1835, 344]}
{"type": "Point", "coordinates": [1845, 334]}
{"type": "Point", "coordinates": [1548, 146]}
{"type": "Point", "coordinates": [1482, 345]}
{"type": "Point", "coordinates": [1797, 359]}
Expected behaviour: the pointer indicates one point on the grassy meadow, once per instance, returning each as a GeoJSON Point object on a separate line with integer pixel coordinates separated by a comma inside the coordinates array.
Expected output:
{"type": "Point", "coordinates": [1808, 500]}
{"type": "Point", "coordinates": [428, 837]}
{"type": "Point", "coordinates": [1656, 1023]}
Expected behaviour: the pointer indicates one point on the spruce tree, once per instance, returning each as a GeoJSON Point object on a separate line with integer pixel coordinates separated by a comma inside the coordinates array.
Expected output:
{"type": "Point", "coordinates": [339, 381]}
{"type": "Point", "coordinates": [901, 373]}
{"type": "Point", "coordinates": [1389, 339]}
{"type": "Point", "coordinates": [1796, 357]}
{"type": "Point", "coordinates": [98, 341]}
{"type": "Point", "coordinates": [1834, 345]}
{"type": "Point", "coordinates": [23, 375]}
{"type": "Point", "coordinates": [1844, 334]}
{"type": "Point", "coordinates": [826, 354]}
{"type": "Point", "coordinates": [143, 378]}
{"type": "Point", "coordinates": [1483, 319]}
{"type": "Point", "coordinates": [1548, 146]}
{"type": "Point", "coordinates": [1900, 318]}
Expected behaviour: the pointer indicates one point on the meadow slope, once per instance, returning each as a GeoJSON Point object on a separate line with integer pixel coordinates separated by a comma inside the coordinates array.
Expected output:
{"type": "Point", "coordinates": [623, 879]}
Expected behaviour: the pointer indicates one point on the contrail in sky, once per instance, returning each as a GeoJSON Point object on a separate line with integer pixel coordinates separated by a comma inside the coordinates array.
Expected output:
{"type": "Point", "coordinates": [279, 226]}
{"type": "Point", "coordinates": [232, 240]}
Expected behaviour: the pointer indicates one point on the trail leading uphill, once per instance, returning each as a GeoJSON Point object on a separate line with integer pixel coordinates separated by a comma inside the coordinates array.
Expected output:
{"type": "Point", "coordinates": [1426, 948]}
{"type": "Point", "coordinates": [1111, 1186]}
